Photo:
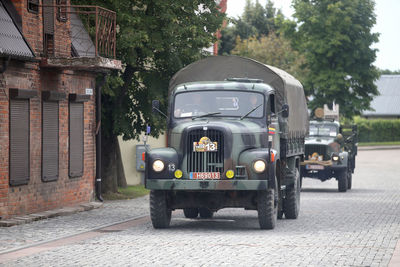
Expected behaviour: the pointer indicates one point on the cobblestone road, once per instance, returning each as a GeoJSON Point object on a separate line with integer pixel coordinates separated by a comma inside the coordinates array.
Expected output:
{"type": "Point", "coordinates": [358, 228]}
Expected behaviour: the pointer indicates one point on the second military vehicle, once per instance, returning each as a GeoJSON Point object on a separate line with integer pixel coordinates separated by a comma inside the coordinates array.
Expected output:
{"type": "Point", "coordinates": [330, 149]}
{"type": "Point", "coordinates": [235, 130]}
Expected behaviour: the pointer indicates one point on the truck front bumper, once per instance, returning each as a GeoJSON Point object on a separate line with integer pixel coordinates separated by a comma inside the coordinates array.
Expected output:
{"type": "Point", "coordinates": [206, 185]}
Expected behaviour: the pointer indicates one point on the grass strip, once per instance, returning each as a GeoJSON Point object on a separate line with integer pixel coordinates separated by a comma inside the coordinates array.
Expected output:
{"type": "Point", "coordinates": [129, 192]}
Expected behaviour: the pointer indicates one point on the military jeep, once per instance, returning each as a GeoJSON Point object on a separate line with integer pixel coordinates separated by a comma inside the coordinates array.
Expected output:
{"type": "Point", "coordinates": [233, 141]}
{"type": "Point", "coordinates": [330, 151]}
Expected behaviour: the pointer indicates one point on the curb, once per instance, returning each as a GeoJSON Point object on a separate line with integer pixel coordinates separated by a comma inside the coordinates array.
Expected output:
{"type": "Point", "coordinates": [23, 219]}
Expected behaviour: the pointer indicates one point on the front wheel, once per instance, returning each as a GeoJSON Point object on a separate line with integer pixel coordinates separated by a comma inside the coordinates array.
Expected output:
{"type": "Point", "coordinates": [267, 208]}
{"type": "Point", "coordinates": [342, 181]}
{"type": "Point", "coordinates": [160, 213]}
{"type": "Point", "coordinates": [291, 204]}
{"type": "Point", "coordinates": [349, 178]}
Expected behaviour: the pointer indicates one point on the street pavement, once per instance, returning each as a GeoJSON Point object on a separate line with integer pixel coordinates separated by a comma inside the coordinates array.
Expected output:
{"type": "Point", "coordinates": [358, 228]}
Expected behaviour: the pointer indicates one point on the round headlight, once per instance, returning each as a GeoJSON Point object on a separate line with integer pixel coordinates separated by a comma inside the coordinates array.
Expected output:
{"type": "Point", "coordinates": [178, 174]}
{"type": "Point", "coordinates": [335, 157]}
{"type": "Point", "coordinates": [229, 174]}
{"type": "Point", "coordinates": [158, 165]}
{"type": "Point", "coordinates": [259, 166]}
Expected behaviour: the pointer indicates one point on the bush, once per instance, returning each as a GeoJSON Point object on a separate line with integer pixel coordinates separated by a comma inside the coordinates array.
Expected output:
{"type": "Point", "coordinates": [378, 130]}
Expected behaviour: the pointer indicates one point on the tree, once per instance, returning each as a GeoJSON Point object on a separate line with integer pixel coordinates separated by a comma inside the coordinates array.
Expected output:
{"type": "Point", "coordinates": [273, 50]}
{"type": "Point", "coordinates": [154, 40]}
{"type": "Point", "coordinates": [256, 20]}
{"type": "Point", "coordinates": [391, 72]}
{"type": "Point", "coordinates": [335, 38]}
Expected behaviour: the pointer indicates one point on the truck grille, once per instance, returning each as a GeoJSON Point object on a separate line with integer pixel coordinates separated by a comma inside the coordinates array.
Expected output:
{"type": "Point", "coordinates": [205, 161]}
{"type": "Point", "coordinates": [320, 149]}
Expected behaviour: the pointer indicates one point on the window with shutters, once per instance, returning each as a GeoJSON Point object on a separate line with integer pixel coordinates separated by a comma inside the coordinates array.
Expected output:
{"type": "Point", "coordinates": [62, 10]}
{"type": "Point", "coordinates": [48, 27]}
{"type": "Point", "coordinates": [50, 140]}
{"type": "Point", "coordinates": [76, 139]}
{"type": "Point", "coordinates": [33, 6]}
{"type": "Point", "coordinates": [19, 141]}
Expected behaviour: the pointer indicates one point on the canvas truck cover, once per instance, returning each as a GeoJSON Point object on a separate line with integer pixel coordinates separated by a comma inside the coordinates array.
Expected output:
{"type": "Point", "coordinates": [288, 89]}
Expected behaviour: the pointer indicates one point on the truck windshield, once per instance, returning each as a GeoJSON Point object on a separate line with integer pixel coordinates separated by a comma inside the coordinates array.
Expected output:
{"type": "Point", "coordinates": [323, 130]}
{"type": "Point", "coordinates": [222, 102]}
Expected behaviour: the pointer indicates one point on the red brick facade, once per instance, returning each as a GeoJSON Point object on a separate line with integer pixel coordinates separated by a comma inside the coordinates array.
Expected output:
{"type": "Point", "coordinates": [38, 195]}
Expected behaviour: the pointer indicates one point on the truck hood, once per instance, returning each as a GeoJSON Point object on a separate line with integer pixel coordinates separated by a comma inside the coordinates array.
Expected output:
{"type": "Point", "coordinates": [235, 126]}
{"type": "Point", "coordinates": [319, 140]}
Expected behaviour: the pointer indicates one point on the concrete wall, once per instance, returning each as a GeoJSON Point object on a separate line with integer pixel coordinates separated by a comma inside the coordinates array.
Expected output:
{"type": "Point", "coordinates": [128, 153]}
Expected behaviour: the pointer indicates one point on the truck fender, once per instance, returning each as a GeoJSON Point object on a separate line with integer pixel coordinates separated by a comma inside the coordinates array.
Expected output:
{"type": "Point", "coordinates": [170, 158]}
{"type": "Point", "coordinates": [344, 158]}
{"type": "Point", "coordinates": [247, 159]}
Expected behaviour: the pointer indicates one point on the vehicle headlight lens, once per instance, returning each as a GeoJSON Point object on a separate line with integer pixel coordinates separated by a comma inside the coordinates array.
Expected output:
{"type": "Point", "coordinates": [158, 165]}
{"type": "Point", "coordinates": [259, 166]}
{"type": "Point", "coordinates": [335, 158]}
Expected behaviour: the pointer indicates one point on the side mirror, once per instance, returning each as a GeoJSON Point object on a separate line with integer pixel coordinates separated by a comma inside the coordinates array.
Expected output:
{"type": "Point", "coordinates": [155, 106]}
{"type": "Point", "coordinates": [285, 110]}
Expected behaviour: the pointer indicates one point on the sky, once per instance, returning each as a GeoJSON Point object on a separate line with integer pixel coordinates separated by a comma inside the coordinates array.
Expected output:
{"type": "Point", "coordinates": [388, 22]}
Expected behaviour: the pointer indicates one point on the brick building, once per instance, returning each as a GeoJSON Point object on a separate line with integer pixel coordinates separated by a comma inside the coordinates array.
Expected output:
{"type": "Point", "coordinates": [48, 70]}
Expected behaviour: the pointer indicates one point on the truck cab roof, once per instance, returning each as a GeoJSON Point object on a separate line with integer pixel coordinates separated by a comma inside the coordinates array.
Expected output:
{"type": "Point", "coordinates": [223, 85]}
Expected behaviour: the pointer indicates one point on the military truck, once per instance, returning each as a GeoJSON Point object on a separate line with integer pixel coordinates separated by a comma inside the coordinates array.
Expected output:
{"type": "Point", "coordinates": [235, 130]}
{"type": "Point", "coordinates": [330, 149]}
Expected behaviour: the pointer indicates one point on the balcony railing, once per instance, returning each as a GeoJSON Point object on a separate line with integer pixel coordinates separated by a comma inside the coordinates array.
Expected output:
{"type": "Point", "coordinates": [92, 28]}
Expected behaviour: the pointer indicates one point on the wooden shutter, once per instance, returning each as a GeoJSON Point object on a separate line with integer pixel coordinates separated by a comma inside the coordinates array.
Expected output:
{"type": "Point", "coordinates": [19, 141]}
{"type": "Point", "coordinates": [50, 141]}
{"type": "Point", "coordinates": [76, 139]}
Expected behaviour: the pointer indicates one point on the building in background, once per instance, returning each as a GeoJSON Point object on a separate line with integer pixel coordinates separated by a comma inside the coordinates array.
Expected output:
{"type": "Point", "coordinates": [48, 66]}
{"type": "Point", "coordinates": [387, 104]}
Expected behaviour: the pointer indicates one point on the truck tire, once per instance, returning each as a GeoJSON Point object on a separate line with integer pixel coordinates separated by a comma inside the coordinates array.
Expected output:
{"type": "Point", "coordinates": [291, 204]}
{"type": "Point", "coordinates": [205, 213]}
{"type": "Point", "coordinates": [342, 181]}
{"type": "Point", "coordinates": [349, 178]}
{"type": "Point", "coordinates": [160, 214]}
{"type": "Point", "coordinates": [267, 208]}
{"type": "Point", "coordinates": [191, 212]}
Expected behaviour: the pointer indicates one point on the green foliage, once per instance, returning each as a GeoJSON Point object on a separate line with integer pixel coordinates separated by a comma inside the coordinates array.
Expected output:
{"type": "Point", "coordinates": [378, 130]}
{"type": "Point", "coordinates": [129, 192]}
{"type": "Point", "coordinates": [154, 40]}
{"type": "Point", "coordinates": [335, 37]}
{"type": "Point", "coordinates": [394, 143]}
{"type": "Point", "coordinates": [273, 50]}
{"type": "Point", "coordinates": [256, 21]}
{"type": "Point", "coordinates": [391, 72]}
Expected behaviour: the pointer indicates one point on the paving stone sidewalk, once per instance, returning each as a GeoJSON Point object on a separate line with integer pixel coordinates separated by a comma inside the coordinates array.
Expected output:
{"type": "Point", "coordinates": [56, 227]}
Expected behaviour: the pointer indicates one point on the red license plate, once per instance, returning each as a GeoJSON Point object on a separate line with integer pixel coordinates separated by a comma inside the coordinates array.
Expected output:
{"type": "Point", "coordinates": [205, 175]}
{"type": "Point", "coordinates": [314, 167]}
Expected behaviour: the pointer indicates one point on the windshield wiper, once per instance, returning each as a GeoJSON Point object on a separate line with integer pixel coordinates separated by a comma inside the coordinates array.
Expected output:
{"type": "Point", "coordinates": [248, 113]}
{"type": "Point", "coordinates": [206, 115]}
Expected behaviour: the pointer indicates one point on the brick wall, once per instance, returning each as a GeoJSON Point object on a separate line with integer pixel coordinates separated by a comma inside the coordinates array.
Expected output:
{"type": "Point", "coordinates": [38, 195]}
{"type": "Point", "coordinates": [32, 29]}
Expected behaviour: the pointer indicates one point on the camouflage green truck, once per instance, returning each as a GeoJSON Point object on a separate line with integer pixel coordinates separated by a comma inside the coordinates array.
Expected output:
{"type": "Point", "coordinates": [330, 150]}
{"type": "Point", "coordinates": [235, 131]}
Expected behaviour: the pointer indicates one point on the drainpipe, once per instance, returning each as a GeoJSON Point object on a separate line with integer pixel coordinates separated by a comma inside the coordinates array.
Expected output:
{"type": "Point", "coordinates": [5, 65]}
{"type": "Point", "coordinates": [98, 139]}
